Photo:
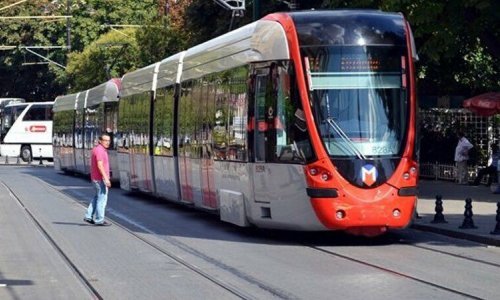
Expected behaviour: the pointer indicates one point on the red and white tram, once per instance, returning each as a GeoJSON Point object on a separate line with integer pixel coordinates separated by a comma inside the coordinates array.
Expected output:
{"type": "Point", "coordinates": [302, 121]}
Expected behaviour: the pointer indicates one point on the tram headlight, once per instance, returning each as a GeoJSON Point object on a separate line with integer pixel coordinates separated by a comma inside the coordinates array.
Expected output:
{"type": "Point", "coordinates": [396, 213]}
{"type": "Point", "coordinates": [413, 170]}
{"type": "Point", "coordinates": [325, 176]}
{"type": "Point", "coordinates": [313, 171]}
{"type": "Point", "coordinates": [340, 214]}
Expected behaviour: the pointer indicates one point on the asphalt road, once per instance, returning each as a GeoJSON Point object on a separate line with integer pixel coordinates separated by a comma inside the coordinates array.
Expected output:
{"type": "Point", "coordinates": [159, 250]}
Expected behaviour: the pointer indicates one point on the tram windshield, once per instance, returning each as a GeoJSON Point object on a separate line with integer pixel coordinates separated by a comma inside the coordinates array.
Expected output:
{"type": "Point", "coordinates": [358, 85]}
{"type": "Point", "coordinates": [359, 99]}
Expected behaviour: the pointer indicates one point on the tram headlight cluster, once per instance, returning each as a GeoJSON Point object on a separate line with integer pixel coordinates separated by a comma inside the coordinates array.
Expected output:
{"type": "Point", "coordinates": [324, 174]}
{"type": "Point", "coordinates": [411, 173]}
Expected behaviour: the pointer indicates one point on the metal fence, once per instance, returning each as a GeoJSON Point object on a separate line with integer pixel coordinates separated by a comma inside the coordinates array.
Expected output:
{"type": "Point", "coordinates": [481, 131]}
{"type": "Point", "coordinates": [439, 171]}
{"type": "Point", "coordinates": [439, 126]}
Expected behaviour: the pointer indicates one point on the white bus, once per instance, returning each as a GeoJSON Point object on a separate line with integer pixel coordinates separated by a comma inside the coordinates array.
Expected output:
{"type": "Point", "coordinates": [26, 130]}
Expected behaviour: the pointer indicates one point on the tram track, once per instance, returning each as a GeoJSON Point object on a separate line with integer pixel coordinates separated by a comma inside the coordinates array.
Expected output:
{"type": "Point", "coordinates": [232, 288]}
{"type": "Point", "coordinates": [238, 292]}
{"type": "Point", "coordinates": [487, 263]}
{"type": "Point", "coordinates": [67, 260]}
{"type": "Point", "coordinates": [402, 274]}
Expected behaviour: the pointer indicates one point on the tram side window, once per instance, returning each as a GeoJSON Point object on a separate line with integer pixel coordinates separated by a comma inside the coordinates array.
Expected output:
{"type": "Point", "coordinates": [123, 136]}
{"type": "Point", "coordinates": [163, 119]}
{"type": "Point", "coordinates": [196, 116]}
{"type": "Point", "coordinates": [79, 129]}
{"type": "Point", "coordinates": [230, 115]}
{"type": "Point", "coordinates": [219, 135]}
{"type": "Point", "coordinates": [238, 119]}
{"type": "Point", "coordinates": [110, 122]}
{"type": "Point", "coordinates": [134, 123]}
{"type": "Point", "coordinates": [207, 115]}
{"type": "Point", "coordinates": [63, 128]}
{"type": "Point", "coordinates": [292, 140]}
{"type": "Point", "coordinates": [93, 118]}
{"type": "Point", "coordinates": [139, 110]}
{"type": "Point", "coordinates": [189, 119]}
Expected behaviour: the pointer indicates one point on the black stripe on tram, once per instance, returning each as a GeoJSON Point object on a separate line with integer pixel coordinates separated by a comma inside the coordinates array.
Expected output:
{"type": "Point", "coordinates": [322, 193]}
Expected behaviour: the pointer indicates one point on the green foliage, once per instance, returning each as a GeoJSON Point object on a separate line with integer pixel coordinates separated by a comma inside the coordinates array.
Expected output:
{"type": "Point", "coordinates": [159, 40]}
{"type": "Point", "coordinates": [19, 77]}
{"type": "Point", "coordinates": [205, 20]}
{"type": "Point", "coordinates": [90, 20]}
{"type": "Point", "coordinates": [457, 41]}
{"type": "Point", "coordinates": [112, 55]}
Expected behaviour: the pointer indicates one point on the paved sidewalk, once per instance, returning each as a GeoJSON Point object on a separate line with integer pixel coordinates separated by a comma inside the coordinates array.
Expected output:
{"type": "Point", "coordinates": [484, 207]}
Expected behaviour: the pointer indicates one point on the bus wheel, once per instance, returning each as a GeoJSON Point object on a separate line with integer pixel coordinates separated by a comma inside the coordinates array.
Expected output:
{"type": "Point", "coordinates": [26, 153]}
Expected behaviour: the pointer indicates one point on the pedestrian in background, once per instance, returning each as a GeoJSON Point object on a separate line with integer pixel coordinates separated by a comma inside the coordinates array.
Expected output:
{"type": "Point", "coordinates": [491, 169]}
{"type": "Point", "coordinates": [99, 175]}
{"type": "Point", "coordinates": [461, 157]}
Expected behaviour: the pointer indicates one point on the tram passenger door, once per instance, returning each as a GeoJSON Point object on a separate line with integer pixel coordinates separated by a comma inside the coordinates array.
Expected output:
{"type": "Point", "coordinates": [264, 134]}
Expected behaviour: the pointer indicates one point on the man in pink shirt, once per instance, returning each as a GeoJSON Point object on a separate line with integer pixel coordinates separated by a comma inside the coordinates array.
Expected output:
{"type": "Point", "coordinates": [99, 175]}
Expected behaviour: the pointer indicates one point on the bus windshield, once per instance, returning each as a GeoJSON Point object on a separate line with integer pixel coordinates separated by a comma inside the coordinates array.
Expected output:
{"type": "Point", "coordinates": [10, 115]}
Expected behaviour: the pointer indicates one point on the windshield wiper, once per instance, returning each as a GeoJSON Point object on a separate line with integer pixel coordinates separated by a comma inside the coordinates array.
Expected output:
{"type": "Point", "coordinates": [345, 138]}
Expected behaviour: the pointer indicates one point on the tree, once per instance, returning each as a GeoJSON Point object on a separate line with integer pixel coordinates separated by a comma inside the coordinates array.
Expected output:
{"type": "Point", "coordinates": [19, 77]}
{"type": "Point", "coordinates": [90, 19]}
{"type": "Point", "coordinates": [112, 55]}
{"type": "Point", "coordinates": [159, 40]}
{"type": "Point", "coordinates": [457, 41]}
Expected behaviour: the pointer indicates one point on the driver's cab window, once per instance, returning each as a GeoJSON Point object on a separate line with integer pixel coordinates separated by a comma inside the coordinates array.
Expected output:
{"type": "Point", "coordinates": [280, 131]}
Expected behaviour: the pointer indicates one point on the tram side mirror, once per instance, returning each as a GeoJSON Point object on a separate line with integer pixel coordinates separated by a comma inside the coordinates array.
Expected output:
{"type": "Point", "coordinates": [300, 120]}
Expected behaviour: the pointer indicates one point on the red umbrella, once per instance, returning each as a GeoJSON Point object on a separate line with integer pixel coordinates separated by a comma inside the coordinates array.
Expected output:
{"type": "Point", "coordinates": [485, 104]}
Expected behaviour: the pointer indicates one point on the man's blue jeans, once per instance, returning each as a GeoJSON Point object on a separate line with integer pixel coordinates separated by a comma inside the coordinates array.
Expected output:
{"type": "Point", "coordinates": [98, 204]}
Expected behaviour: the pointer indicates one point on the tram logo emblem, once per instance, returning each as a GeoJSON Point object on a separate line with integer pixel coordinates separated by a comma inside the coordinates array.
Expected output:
{"type": "Point", "coordinates": [369, 174]}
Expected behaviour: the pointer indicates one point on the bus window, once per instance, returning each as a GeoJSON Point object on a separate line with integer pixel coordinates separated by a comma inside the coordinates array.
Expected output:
{"type": "Point", "coordinates": [39, 113]}
{"type": "Point", "coordinates": [10, 115]}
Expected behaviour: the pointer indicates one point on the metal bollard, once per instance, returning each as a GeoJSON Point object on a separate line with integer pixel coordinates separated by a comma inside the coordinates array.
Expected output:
{"type": "Point", "coordinates": [497, 218]}
{"type": "Point", "coordinates": [41, 162]}
{"type": "Point", "coordinates": [439, 217]}
{"type": "Point", "coordinates": [468, 223]}
{"type": "Point", "coordinates": [18, 161]}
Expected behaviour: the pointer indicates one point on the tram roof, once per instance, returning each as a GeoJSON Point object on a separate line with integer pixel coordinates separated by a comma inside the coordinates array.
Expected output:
{"type": "Point", "coordinates": [138, 81]}
{"type": "Point", "coordinates": [263, 40]}
{"type": "Point", "coordinates": [168, 71]}
{"type": "Point", "coordinates": [105, 92]}
{"type": "Point", "coordinates": [66, 102]}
